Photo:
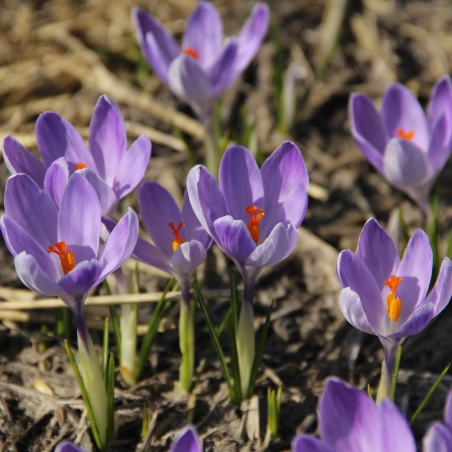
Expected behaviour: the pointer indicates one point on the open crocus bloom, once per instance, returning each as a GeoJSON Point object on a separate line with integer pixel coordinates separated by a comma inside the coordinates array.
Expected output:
{"type": "Point", "coordinates": [385, 296]}
{"type": "Point", "coordinates": [205, 66]}
{"type": "Point", "coordinates": [66, 446]}
{"type": "Point", "coordinates": [254, 214]}
{"type": "Point", "coordinates": [409, 148]}
{"type": "Point", "coordinates": [56, 252]}
{"type": "Point", "coordinates": [349, 421]}
{"type": "Point", "coordinates": [439, 436]}
{"type": "Point", "coordinates": [119, 171]}
{"type": "Point", "coordinates": [187, 440]}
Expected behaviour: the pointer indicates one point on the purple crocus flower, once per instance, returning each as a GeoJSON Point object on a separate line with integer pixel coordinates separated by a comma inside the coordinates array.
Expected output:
{"type": "Point", "coordinates": [119, 171]}
{"type": "Point", "coordinates": [56, 252]}
{"type": "Point", "coordinates": [205, 66]}
{"type": "Point", "coordinates": [407, 147]}
{"type": "Point", "coordinates": [349, 421]}
{"type": "Point", "coordinates": [439, 436]}
{"type": "Point", "coordinates": [187, 440]}
{"type": "Point", "coordinates": [385, 296]}
{"type": "Point", "coordinates": [66, 446]}
{"type": "Point", "coordinates": [254, 214]}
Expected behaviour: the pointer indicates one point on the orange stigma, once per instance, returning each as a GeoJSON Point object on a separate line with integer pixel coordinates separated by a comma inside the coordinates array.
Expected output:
{"type": "Point", "coordinates": [66, 256]}
{"type": "Point", "coordinates": [178, 240]}
{"type": "Point", "coordinates": [191, 52]}
{"type": "Point", "coordinates": [393, 304]}
{"type": "Point", "coordinates": [80, 165]}
{"type": "Point", "coordinates": [405, 135]}
{"type": "Point", "coordinates": [256, 214]}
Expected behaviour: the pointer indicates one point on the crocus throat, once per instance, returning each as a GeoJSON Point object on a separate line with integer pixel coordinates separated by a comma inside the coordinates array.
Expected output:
{"type": "Point", "coordinates": [256, 214]}
{"type": "Point", "coordinates": [405, 135]}
{"type": "Point", "coordinates": [178, 240]}
{"type": "Point", "coordinates": [66, 256]}
{"type": "Point", "coordinates": [191, 52]}
{"type": "Point", "coordinates": [80, 165]}
{"type": "Point", "coordinates": [393, 304]}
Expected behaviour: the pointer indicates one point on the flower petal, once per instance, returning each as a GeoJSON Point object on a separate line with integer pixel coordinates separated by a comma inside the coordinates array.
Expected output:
{"type": "Point", "coordinates": [158, 209]}
{"type": "Point", "coordinates": [204, 34]}
{"type": "Point", "coordinates": [402, 112]}
{"type": "Point", "coordinates": [205, 198]}
{"type": "Point", "coordinates": [193, 227]}
{"type": "Point", "coordinates": [306, 443]}
{"type": "Point", "coordinates": [353, 273]}
{"type": "Point", "coordinates": [79, 219]}
{"type": "Point", "coordinates": [276, 247]}
{"type": "Point", "coordinates": [132, 167]}
{"type": "Point", "coordinates": [441, 104]}
{"type": "Point", "coordinates": [395, 434]}
{"type": "Point", "coordinates": [18, 240]}
{"type": "Point", "coordinates": [417, 321]}
{"type": "Point", "coordinates": [437, 439]}
{"type": "Point", "coordinates": [280, 173]}
{"type": "Point", "coordinates": [240, 182]}
{"type": "Point", "coordinates": [66, 446]}
{"type": "Point", "coordinates": [56, 179]}
{"type": "Point", "coordinates": [221, 74]}
{"type": "Point", "coordinates": [352, 308]}
{"type": "Point", "coordinates": [442, 290]}
{"type": "Point", "coordinates": [416, 271]}
{"type": "Point", "coordinates": [234, 238]}
{"type": "Point", "coordinates": [34, 277]}
{"type": "Point", "coordinates": [187, 440]}
{"type": "Point", "coordinates": [378, 252]}
{"type": "Point", "coordinates": [440, 144]}
{"type": "Point", "coordinates": [57, 138]}
{"type": "Point", "coordinates": [188, 257]}
{"type": "Point", "coordinates": [31, 208]}
{"type": "Point", "coordinates": [107, 138]}
{"type": "Point", "coordinates": [349, 419]}
{"type": "Point", "coordinates": [82, 278]}
{"type": "Point", "coordinates": [119, 245]}
{"type": "Point", "coordinates": [157, 44]}
{"type": "Point", "coordinates": [406, 165]}
{"type": "Point", "coordinates": [105, 194]}
{"type": "Point", "coordinates": [19, 160]}
{"type": "Point", "coordinates": [448, 410]}
{"type": "Point", "coordinates": [367, 129]}
{"type": "Point", "coordinates": [252, 35]}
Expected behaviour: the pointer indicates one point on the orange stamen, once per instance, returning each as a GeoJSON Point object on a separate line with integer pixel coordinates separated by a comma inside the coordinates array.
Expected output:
{"type": "Point", "coordinates": [178, 240]}
{"type": "Point", "coordinates": [66, 256]}
{"type": "Point", "coordinates": [191, 52]}
{"type": "Point", "coordinates": [80, 165]}
{"type": "Point", "coordinates": [393, 304]}
{"type": "Point", "coordinates": [405, 135]}
{"type": "Point", "coordinates": [256, 214]}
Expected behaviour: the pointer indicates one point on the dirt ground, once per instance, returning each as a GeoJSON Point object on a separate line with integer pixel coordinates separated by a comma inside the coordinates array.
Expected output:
{"type": "Point", "coordinates": [61, 55]}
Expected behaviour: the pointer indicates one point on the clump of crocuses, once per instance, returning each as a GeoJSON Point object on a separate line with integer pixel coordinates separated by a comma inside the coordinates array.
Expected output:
{"type": "Point", "coordinates": [386, 296]}
{"type": "Point", "coordinates": [407, 147]}
{"type": "Point", "coordinates": [253, 216]}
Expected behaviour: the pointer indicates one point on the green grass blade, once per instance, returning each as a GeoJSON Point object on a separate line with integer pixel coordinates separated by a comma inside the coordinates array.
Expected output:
{"type": "Point", "coordinates": [369, 392]}
{"type": "Point", "coordinates": [259, 351]}
{"type": "Point", "coordinates": [215, 342]}
{"type": "Point", "coordinates": [235, 364]}
{"type": "Point", "coordinates": [395, 371]}
{"type": "Point", "coordinates": [110, 399]}
{"type": "Point", "coordinates": [151, 333]}
{"type": "Point", "coordinates": [429, 394]}
{"type": "Point", "coordinates": [84, 393]}
{"type": "Point", "coordinates": [114, 317]}
{"type": "Point", "coordinates": [105, 346]}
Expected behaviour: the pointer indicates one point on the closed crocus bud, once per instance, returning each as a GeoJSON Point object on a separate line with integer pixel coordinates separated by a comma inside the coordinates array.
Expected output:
{"type": "Point", "coordinates": [408, 147]}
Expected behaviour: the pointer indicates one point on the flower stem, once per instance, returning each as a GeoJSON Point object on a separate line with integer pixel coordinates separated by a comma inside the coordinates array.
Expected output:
{"type": "Point", "coordinates": [211, 146]}
{"type": "Point", "coordinates": [187, 346]}
{"type": "Point", "coordinates": [385, 386]}
{"type": "Point", "coordinates": [246, 345]}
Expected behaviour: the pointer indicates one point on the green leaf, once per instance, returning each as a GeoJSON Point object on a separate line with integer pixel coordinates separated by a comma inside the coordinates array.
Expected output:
{"type": "Point", "coordinates": [110, 399]}
{"type": "Point", "coordinates": [85, 397]}
{"type": "Point", "coordinates": [105, 346]}
{"type": "Point", "coordinates": [235, 364]}
{"type": "Point", "coordinates": [369, 392]}
{"type": "Point", "coordinates": [429, 394]}
{"type": "Point", "coordinates": [114, 317]}
{"type": "Point", "coordinates": [395, 371]}
{"type": "Point", "coordinates": [215, 343]}
{"type": "Point", "coordinates": [234, 303]}
{"type": "Point", "coordinates": [259, 351]}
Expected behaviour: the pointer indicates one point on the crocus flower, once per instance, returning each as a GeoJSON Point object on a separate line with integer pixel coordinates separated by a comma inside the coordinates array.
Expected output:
{"type": "Point", "coordinates": [56, 253]}
{"type": "Point", "coordinates": [205, 65]}
{"type": "Point", "coordinates": [253, 217]}
{"type": "Point", "coordinates": [187, 440]}
{"type": "Point", "coordinates": [119, 170]}
{"type": "Point", "coordinates": [66, 446]}
{"type": "Point", "coordinates": [439, 436]}
{"type": "Point", "coordinates": [407, 147]}
{"type": "Point", "coordinates": [349, 421]}
{"type": "Point", "coordinates": [385, 296]}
